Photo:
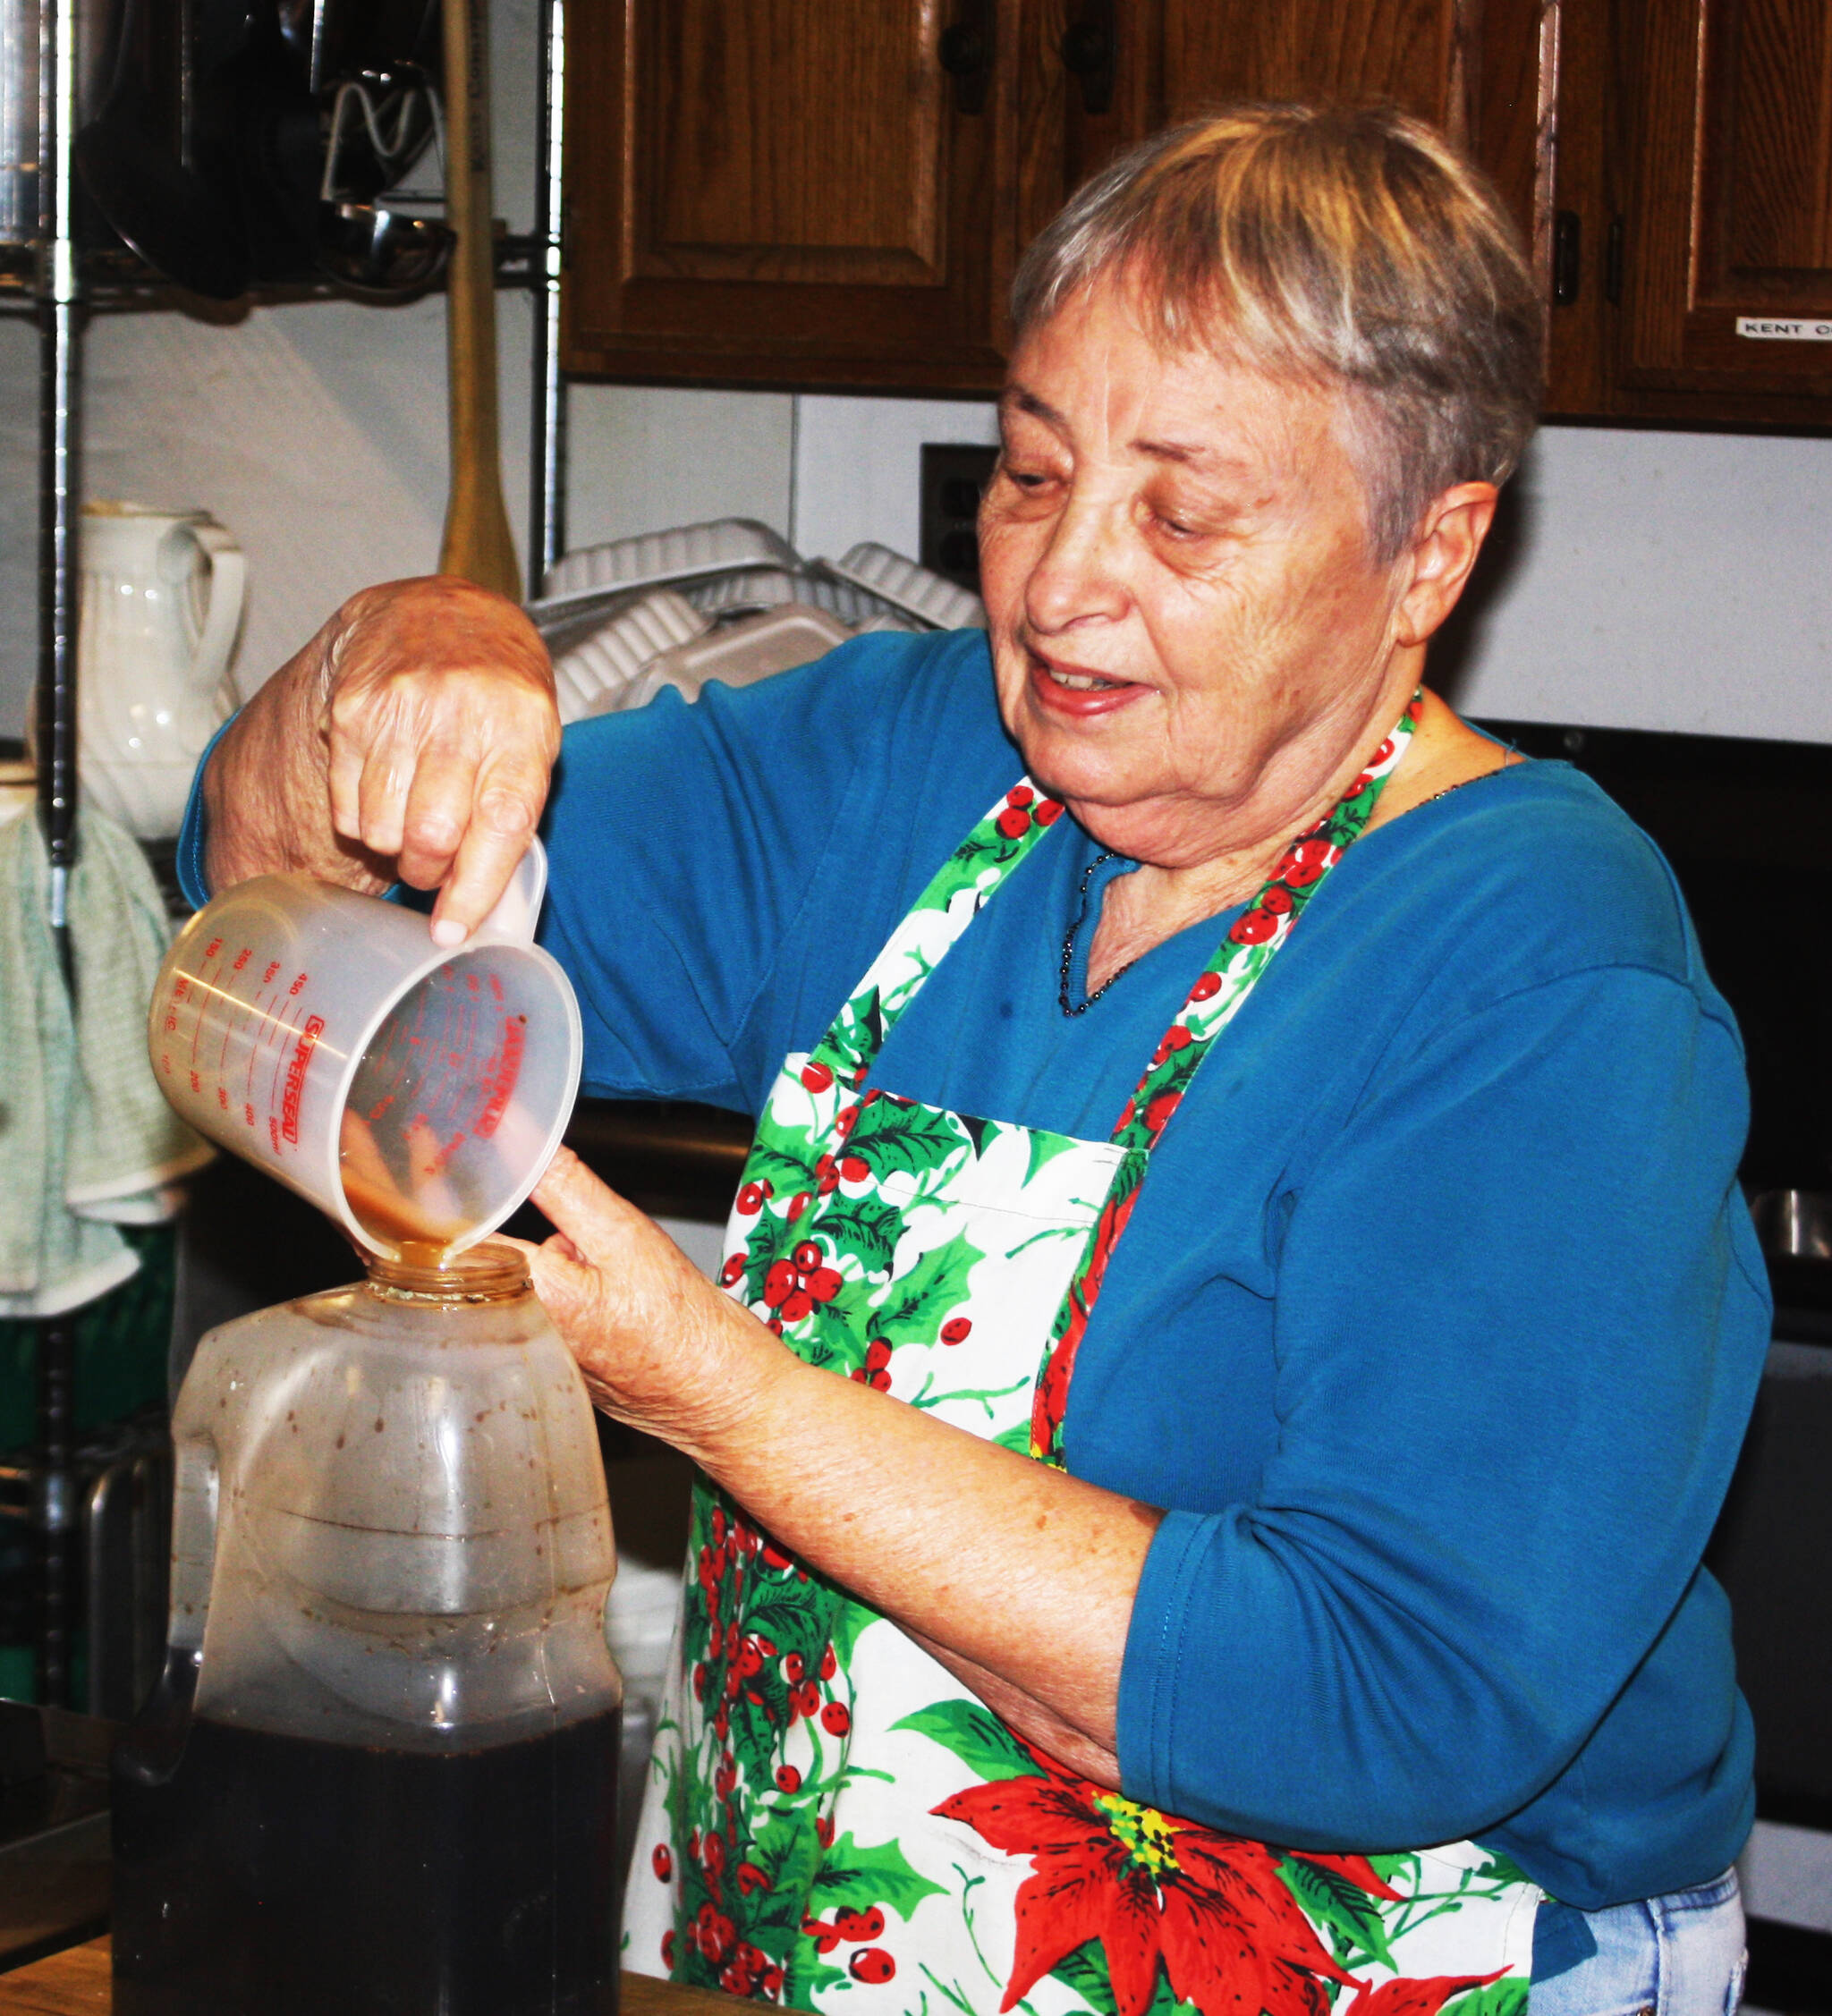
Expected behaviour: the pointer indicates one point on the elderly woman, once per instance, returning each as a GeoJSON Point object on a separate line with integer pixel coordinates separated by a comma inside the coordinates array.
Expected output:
{"type": "Point", "coordinates": [1239, 1316]}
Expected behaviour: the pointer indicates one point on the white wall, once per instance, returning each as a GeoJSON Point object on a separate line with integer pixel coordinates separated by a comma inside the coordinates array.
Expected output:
{"type": "Point", "coordinates": [1660, 580]}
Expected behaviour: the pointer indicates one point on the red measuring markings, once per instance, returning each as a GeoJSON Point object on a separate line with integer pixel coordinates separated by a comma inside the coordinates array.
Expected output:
{"type": "Point", "coordinates": [295, 1076]}
{"type": "Point", "coordinates": [515, 1042]}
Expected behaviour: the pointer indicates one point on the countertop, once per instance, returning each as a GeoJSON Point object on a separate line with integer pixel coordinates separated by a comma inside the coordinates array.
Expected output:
{"type": "Point", "coordinates": [76, 1983]}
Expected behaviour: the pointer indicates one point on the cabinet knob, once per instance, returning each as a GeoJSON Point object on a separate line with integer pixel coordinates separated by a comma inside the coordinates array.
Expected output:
{"type": "Point", "coordinates": [1087, 51]}
{"type": "Point", "coordinates": [965, 54]}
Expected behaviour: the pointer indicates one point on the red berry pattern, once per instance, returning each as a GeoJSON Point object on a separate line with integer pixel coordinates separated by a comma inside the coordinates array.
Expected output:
{"type": "Point", "coordinates": [795, 1287]}
{"type": "Point", "coordinates": [1023, 809]}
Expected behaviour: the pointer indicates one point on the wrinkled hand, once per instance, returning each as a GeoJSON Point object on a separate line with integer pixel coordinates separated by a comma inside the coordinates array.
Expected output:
{"type": "Point", "coordinates": [660, 1346]}
{"type": "Point", "coordinates": [436, 700]}
{"type": "Point", "coordinates": [413, 738]}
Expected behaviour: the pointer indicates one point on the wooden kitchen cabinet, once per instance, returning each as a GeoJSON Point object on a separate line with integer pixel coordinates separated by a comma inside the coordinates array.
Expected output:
{"type": "Point", "coordinates": [834, 192]}
{"type": "Point", "coordinates": [1692, 208]}
{"type": "Point", "coordinates": [789, 191]}
{"type": "Point", "coordinates": [1416, 52]}
{"type": "Point", "coordinates": [1470, 67]}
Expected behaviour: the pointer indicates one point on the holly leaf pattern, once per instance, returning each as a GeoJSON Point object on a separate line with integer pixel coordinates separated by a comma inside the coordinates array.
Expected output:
{"type": "Point", "coordinates": [848, 1624]}
{"type": "Point", "coordinates": [866, 1227]}
{"type": "Point", "coordinates": [912, 1308]}
{"type": "Point", "coordinates": [1045, 1148]}
{"type": "Point", "coordinates": [785, 1171]}
{"type": "Point", "coordinates": [889, 1135]}
{"type": "Point", "coordinates": [836, 1332]}
{"type": "Point", "coordinates": [856, 1879]}
{"type": "Point", "coordinates": [976, 1736]}
{"type": "Point", "coordinates": [979, 1130]}
{"type": "Point", "coordinates": [859, 1033]}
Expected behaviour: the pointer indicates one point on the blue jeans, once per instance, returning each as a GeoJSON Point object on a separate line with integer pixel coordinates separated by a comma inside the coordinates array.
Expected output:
{"type": "Point", "coordinates": [1677, 1955]}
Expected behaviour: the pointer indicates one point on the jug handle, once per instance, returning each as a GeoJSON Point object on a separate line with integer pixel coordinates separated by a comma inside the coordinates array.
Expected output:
{"type": "Point", "coordinates": [222, 613]}
{"type": "Point", "coordinates": [518, 908]}
{"type": "Point", "coordinates": [193, 1543]}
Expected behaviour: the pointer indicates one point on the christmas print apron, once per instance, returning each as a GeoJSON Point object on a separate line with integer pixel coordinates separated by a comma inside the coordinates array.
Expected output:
{"type": "Point", "coordinates": [832, 1822]}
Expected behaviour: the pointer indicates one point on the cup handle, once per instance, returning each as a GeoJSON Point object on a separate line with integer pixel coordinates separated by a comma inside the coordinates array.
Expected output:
{"type": "Point", "coordinates": [222, 613]}
{"type": "Point", "coordinates": [518, 908]}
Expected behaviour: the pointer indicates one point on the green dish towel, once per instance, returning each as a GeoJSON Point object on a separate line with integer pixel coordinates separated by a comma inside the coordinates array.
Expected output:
{"type": "Point", "coordinates": [86, 1141]}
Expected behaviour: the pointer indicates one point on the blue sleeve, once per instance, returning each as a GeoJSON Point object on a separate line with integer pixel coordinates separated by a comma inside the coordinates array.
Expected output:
{"type": "Point", "coordinates": [684, 844]}
{"type": "Point", "coordinates": [194, 832]}
{"type": "Point", "coordinates": [1517, 1335]}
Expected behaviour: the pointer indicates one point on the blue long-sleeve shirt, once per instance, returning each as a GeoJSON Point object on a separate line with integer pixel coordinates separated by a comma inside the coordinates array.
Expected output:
{"type": "Point", "coordinates": [1439, 1322]}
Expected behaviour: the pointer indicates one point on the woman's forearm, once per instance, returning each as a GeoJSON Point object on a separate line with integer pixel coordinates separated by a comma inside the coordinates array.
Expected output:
{"type": "Point", "coordinates": [1017, 1576]}
{"type": "Point", "coordinates": [1004, 1567]}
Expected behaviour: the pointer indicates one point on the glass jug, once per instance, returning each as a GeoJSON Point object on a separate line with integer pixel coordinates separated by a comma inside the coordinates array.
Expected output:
{"type": "Point", "coordinates": [379, 1772]}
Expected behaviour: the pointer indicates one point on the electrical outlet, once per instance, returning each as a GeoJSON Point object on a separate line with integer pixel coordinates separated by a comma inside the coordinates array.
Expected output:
{"type": "Point", "coordinates": [953, 475]}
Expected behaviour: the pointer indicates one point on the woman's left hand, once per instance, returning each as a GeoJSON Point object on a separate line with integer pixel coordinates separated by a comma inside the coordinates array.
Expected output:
{"type": "Point", "coordinates": [1017, 1578]}
{"type": "Point", "coordinates": [661, 1347]}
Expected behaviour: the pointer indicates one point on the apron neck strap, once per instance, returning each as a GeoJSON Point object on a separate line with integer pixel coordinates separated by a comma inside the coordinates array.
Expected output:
{"type": "Point", "coordinates": [1253, 940]}
{"type": "Point", "coordinates": [1002, 840]}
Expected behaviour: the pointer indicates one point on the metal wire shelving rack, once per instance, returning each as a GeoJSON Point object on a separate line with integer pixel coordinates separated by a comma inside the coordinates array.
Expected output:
{"type": "Point", "coordinates": [59, 281]}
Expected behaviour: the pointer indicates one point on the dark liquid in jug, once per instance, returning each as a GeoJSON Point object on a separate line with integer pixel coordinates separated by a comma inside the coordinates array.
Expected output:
{"type": "Point", "coordinates": [272, 1876]}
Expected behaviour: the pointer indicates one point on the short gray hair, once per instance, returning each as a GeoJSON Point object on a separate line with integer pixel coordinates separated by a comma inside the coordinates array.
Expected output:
{"type": "Point", "coordinates": [1347, 247]}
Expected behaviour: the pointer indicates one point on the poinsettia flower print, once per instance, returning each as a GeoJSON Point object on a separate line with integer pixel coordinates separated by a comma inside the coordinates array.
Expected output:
{"type": "Point", "coordinates": [1418, 1997]}
{"type": "Point", "coordinates": [1211, 1907]}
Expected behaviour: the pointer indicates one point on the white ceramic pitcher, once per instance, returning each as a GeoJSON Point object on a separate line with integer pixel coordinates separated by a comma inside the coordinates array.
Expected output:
{"type": "Point", "coordinates": [160, 601]}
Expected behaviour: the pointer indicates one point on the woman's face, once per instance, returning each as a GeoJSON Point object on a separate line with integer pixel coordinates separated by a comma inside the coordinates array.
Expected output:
{"type": "Point", "coordinates": [1190, 636]}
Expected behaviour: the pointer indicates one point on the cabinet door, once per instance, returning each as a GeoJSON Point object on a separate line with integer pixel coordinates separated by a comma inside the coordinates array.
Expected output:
{"type": "Point", "coordinates": [1417, 52]}
{"type": "Point", "coordinates": [1479, 70]}
{"type": "Point", "coordinates": [1728, 230]}
{"type": "Point", "coordinates": [1087, 86]}
{"type": "Point", "coordinates": [790, 190]}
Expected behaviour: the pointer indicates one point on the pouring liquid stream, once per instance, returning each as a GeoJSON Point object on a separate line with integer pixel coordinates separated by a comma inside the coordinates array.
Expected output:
{"type": "Point", "coordinates": [418, 1235]}
{"type": "Point", "coordinates": [405, 1184]}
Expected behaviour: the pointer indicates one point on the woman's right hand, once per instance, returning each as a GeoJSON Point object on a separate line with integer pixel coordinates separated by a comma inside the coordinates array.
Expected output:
{"type": "Point", "coordinates": [412, 739]}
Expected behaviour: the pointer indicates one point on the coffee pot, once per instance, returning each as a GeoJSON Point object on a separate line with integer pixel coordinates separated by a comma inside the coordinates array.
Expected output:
{"type": "Point", "coordinates": [379, 1771]}
{"type": "Point", "coordinates": [160, 596]}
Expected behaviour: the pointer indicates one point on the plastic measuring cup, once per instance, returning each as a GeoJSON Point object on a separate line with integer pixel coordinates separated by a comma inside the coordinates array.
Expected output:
{"type": "Point", "coordinates": [414, 1093]}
